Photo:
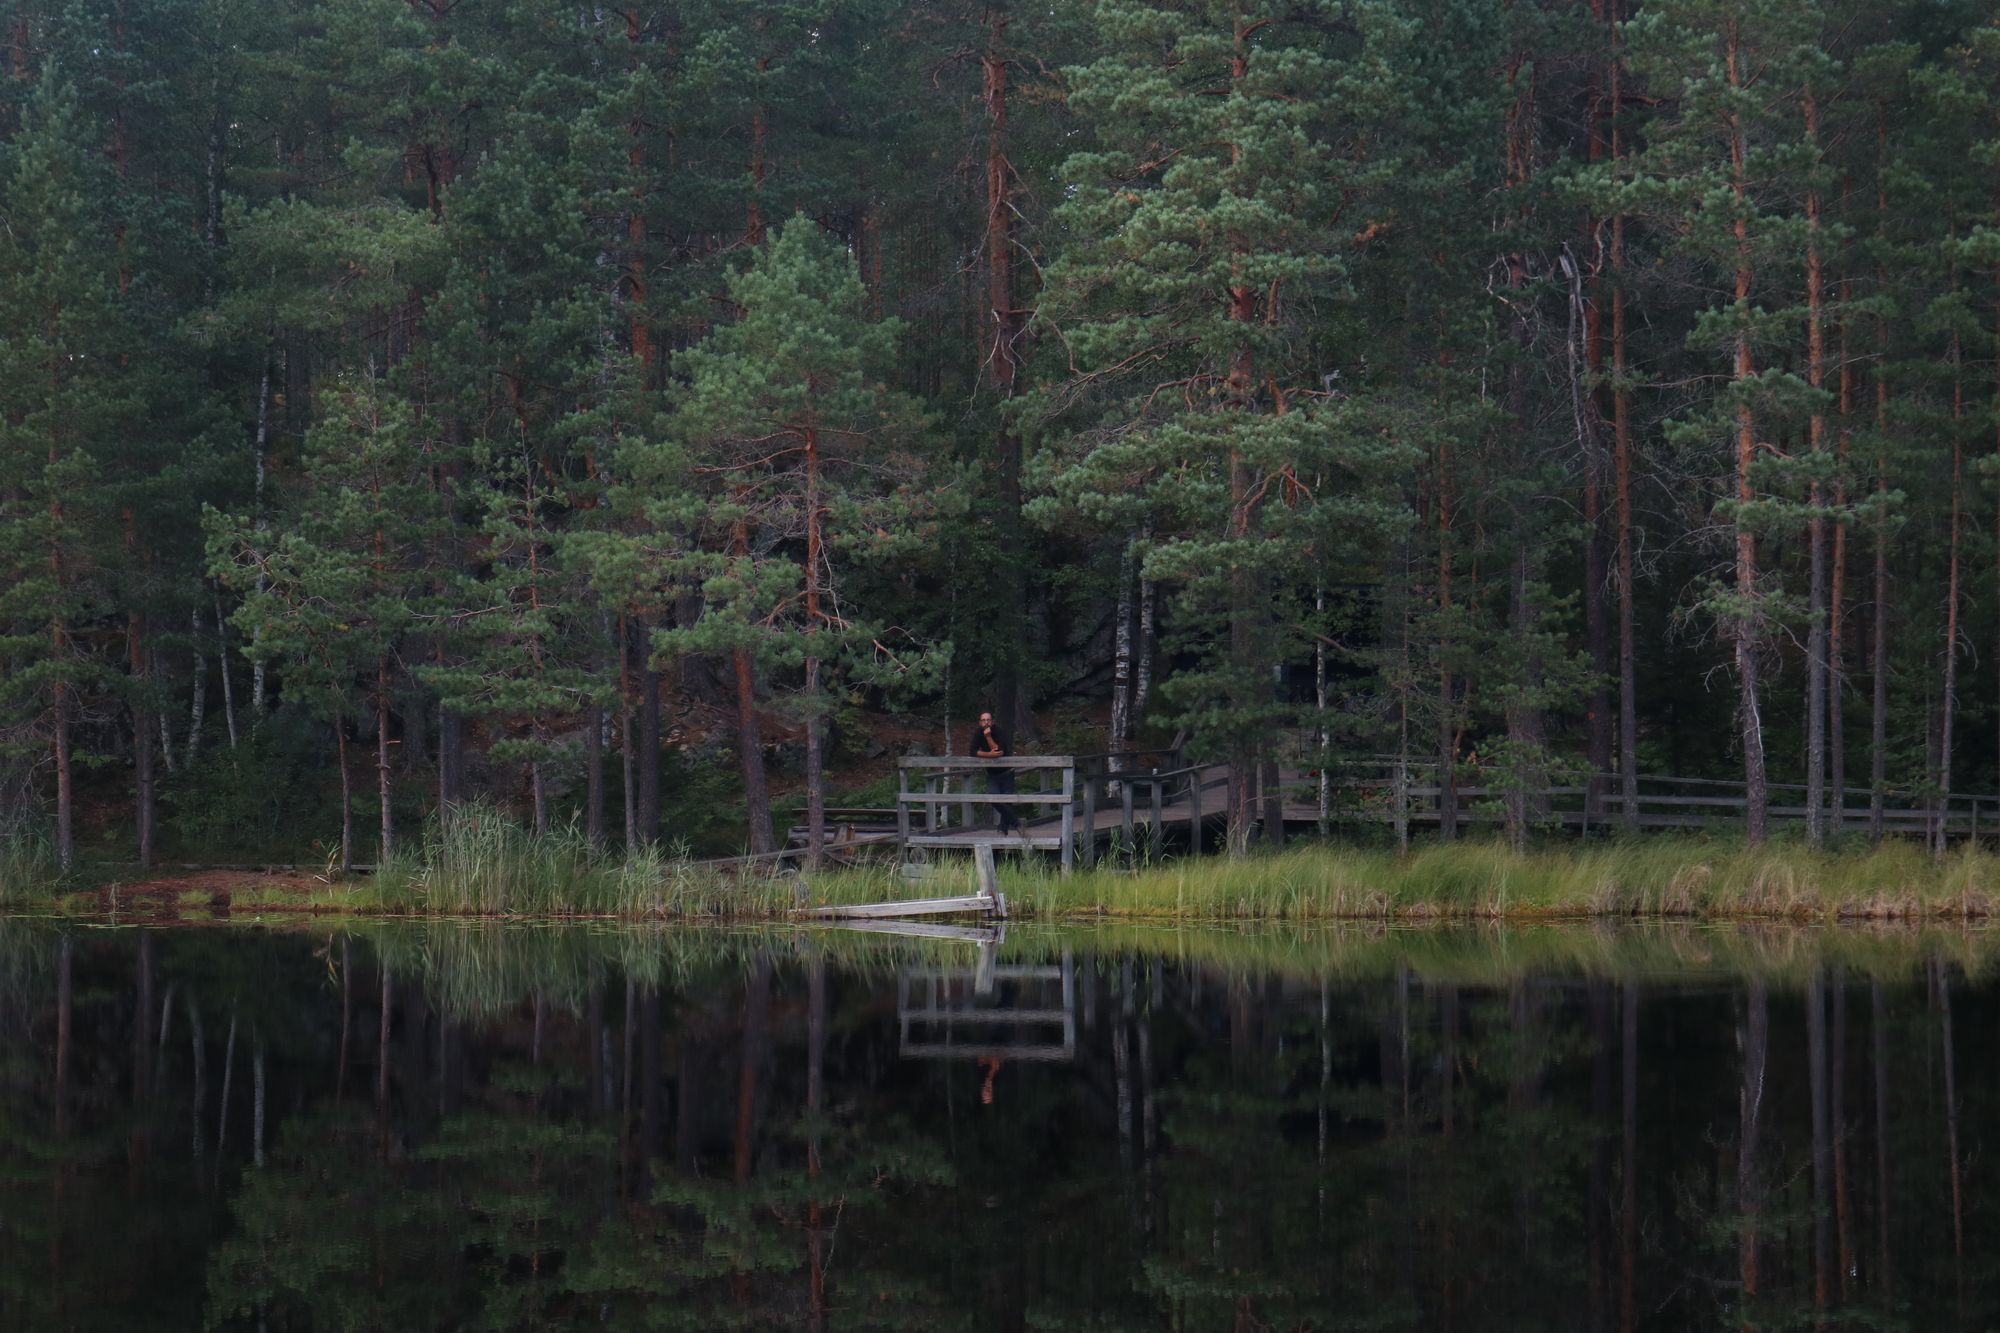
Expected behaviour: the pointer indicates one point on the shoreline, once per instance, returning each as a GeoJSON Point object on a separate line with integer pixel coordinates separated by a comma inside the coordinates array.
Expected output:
{"type": "Point", "coordinates": [1661, 881]}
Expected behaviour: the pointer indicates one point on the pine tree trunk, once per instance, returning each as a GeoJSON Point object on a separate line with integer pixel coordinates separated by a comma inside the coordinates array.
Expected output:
{"type": "Point", "coordinates": [625, 739]}
{"type": "Point", "coordinates": [198, 691]}
{"type": "Point", "coordinates": [1528, 786]}
{"type": "Point", "coordinates": [1142, 666]}
{"type": "Point", "coordinates": [1242, 753]}
{"type": "Point", "coordinates": [815, 758]}
{"type": "Point", "coordinates": [59, 722]}
{"type": "Point", "coordinates": [1878, 757]}
{"type": "Point", "coordinates": [649, 743]}
{"type": "Point", "coordinates": [1816, 603]}
{"type": "Point", "coordinates": [382, 770]}
{"type": "Point", "coordinates": [1949, 702]}
{"type": "Point", "coordinates": [1002, 325]}
{"type": "Point", "coordinates": [749, 728]}
{"type": "Point", "coordinates": [1447, 703]}
{"type": "Point", "coordinates": [1244, 605]}
{"type": "Point", "coordinates": [1596, 574]}
{"type": "Point", "coordinates": [1878, 723]}
{"type": "Point", "coordinates": [1749, 709]}
{"type": "Point", "coordinates": [753, 211]}
{"type": "Point", "coordinates": [1121, 661]}
{"type": "Point", "coordinates": [259, 445]}
{"type": "Point", "coordinates": [1628, 664]}
{"type": "Point", "coordinates": [640, 330]}
{"type": "Point", "coordinates": [346, 798]}
{"type": "Point", "coordinates": [1325, 736]}
{"type": "Point", "coordinates": [142, 739]}
{"type": "Point", "coordinates": [451, 758]}
{"type": "Point", "coordinates": [1836, 682]}
{"type": "Point", "coordinates": [593, 774]}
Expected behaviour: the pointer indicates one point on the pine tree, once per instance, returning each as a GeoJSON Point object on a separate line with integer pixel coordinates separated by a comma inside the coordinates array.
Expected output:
{"type": "Point", "coordinates": [806, 461]}
{"type": "Point", "coordinates": [1205, 241]}
{"type": "Point", "coordinates": [61, 340]}
{"type": "Point", "coordinates": [1725, 72]}
{"type": "Point", "coordinates": [332, 595]}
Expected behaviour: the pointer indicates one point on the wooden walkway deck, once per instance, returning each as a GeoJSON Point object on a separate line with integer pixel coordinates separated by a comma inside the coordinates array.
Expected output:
{"type": "Point", "coordinates": [1081, 807]}
{"type": "Point", "coordinates": [1086, 805]}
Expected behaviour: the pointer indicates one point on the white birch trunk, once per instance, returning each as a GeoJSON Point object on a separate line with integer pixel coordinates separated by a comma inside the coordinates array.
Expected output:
{"type": "Point", "coordinates": [222, 663]}
{"type": "Point", "coordinates": [198, 707]}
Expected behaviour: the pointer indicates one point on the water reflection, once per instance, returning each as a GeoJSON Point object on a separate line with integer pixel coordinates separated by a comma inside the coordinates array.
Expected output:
{"type": "Point", "coordinates": [478, 1127]}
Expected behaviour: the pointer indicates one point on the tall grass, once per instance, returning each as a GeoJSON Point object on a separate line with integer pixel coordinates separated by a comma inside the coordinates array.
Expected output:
{"type": "Point", "coordinates": [27, 864]}
{"type": "Point", "coordinates": [1475, 880]}
{"type": "Point", "coordinates": [476, 861]}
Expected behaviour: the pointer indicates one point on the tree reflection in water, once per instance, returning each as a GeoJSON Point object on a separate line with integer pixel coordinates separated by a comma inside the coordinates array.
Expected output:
{"type": "Point", "coordinates": [512, 1128]}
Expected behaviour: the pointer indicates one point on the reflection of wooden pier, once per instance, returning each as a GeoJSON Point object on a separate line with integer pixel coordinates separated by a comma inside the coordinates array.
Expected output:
{"type": "Point", "coordinates": [988, 1013]}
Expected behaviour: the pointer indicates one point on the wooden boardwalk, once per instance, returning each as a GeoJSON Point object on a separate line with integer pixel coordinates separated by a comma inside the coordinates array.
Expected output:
{"type": "Point", "coordinates": [1081, 807]}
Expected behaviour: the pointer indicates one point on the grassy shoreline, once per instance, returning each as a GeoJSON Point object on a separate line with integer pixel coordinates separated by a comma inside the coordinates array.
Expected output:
{"type": "Point", "coordinates": [496, 871]}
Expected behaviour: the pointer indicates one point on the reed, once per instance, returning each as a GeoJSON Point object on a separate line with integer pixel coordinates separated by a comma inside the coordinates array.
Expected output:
{"type": "Point", "coordinates": [1478, 880]}
{"type": "Point", "coordinates": [27, 865]}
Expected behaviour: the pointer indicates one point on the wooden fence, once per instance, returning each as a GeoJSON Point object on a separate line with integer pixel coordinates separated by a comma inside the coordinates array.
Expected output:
{"type": "Point", "coordinates": [1365, 790]}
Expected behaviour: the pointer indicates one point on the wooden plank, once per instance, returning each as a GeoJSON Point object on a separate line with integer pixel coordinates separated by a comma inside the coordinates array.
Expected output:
{"type": "Point", "coordinates": [924, 930]}
{"type": "Point", "coordinates": [975, 839]}
{"type": "Point", "coordinates": [980, 798]}
{"type": "Point", "coordinates": [1023, 761]}
{"type": "Point", "coordinates": [918, 1050]}
{"type": "Point", "coordinates": [906, 907]}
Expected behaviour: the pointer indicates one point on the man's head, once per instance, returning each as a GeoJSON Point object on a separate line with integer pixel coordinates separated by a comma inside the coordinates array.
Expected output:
{"type": "Point", "coordinates": [985, 721]}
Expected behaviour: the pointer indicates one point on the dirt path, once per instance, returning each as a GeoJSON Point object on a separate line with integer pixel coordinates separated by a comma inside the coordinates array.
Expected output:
{"type": "Point", "coordinates": [165, 897]}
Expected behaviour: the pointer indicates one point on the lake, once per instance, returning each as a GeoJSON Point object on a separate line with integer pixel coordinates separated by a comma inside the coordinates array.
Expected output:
{"type": "Point", "coordinates": [403, 1127]}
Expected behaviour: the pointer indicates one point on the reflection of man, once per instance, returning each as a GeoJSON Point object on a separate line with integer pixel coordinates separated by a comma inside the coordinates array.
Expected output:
{"type": "Point", "coordinates": [991, 1064]}
{"type": "Point", "coordinates": [990, 742]}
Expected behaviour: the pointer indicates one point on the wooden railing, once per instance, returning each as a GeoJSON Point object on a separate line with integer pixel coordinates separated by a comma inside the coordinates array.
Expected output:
{"type": "Point", "coordinates": [937, 805]}
{"type": "Point", "coordinates": [1078, 805]}
{"type": "Point", "coordinates": [1365, 790]}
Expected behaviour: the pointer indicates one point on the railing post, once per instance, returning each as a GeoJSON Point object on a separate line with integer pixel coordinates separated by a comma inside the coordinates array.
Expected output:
{"type": "Point", "coordinates": [1125, 800]}
{"type": "Point", "coordinates": [1155, 787]}
{"type": "Point", "coordinates": [1090, 820]}
{"type": "Point", "coordinates": [902, 812]}
{"type": "Point", "coordinates": [1194, 811]}
{"type": "Point", "coordinates": [1069, 818]}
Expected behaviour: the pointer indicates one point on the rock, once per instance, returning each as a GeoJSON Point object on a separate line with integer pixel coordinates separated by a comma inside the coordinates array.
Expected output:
{"type": "Point", "coordinates": [917, 749]}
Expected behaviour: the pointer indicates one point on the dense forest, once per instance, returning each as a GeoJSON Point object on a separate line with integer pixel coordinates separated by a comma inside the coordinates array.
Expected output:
{"type": "Point", "coordinates": [410, 401]}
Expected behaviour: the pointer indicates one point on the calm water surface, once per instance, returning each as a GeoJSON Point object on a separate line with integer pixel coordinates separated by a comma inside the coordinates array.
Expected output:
{"type": "Point", "coordinates": [231, 1127]}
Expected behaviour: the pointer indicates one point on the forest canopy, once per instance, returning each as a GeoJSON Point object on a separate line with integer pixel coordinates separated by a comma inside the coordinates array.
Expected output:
{"type": "Point", "coordinates": [408, 401]}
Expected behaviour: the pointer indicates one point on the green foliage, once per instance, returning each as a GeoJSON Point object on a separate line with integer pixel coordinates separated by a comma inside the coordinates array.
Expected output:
{"type": "Point", "coordinates": [269, 794]}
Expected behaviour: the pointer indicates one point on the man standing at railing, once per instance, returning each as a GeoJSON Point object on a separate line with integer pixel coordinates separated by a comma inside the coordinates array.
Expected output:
{"type": "Point", "coordinates": [991, 742]}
